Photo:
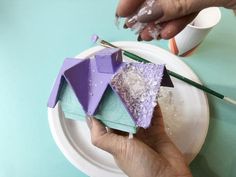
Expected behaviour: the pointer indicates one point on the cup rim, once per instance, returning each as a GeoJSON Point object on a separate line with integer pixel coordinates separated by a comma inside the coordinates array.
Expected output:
{"type": "Point", "coordinates": [216, 22]}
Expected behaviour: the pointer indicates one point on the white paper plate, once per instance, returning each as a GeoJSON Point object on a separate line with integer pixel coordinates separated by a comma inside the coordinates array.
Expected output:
{"type": "Point", "coordinates": [186, 117]}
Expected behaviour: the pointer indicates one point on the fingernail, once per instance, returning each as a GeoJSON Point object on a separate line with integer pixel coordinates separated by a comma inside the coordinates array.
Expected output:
{"type": "Point", "coordinates": [89, 122]}
{"type": "Point", "coordinates": [125, 26]}
{"type": "Point", "coordinates": [150, 12]}
{"type": "Point", "coordinates": [139, 38]}
{"type": "Point", "coordinates": [116, 15]}
{"type": "Point", "coordinates": [159, 37]}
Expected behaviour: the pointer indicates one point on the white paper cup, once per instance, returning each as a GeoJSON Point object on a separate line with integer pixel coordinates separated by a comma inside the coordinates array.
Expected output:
{"type": "Point", "coordinates": [185, 43]}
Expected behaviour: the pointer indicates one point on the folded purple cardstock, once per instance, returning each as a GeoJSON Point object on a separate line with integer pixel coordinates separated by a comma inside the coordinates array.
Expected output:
{"type": "Point", "coordinates": [68, 63]}
{"type": "Point", "coordinates": [138, 85]}
{"type": "Point", "coordinates": [89, 79]}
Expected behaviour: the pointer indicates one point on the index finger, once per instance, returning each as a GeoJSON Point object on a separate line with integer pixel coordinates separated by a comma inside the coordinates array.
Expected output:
{"type": "Point", "coordinates": [128, 7]}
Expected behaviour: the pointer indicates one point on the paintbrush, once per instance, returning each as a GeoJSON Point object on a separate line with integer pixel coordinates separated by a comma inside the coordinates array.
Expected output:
{"type": "Point", "coordinates": [135, 57]}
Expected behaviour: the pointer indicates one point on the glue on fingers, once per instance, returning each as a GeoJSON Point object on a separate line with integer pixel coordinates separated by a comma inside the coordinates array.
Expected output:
{"type": "Point", "coordinates": [151, 31]}
{"type": "Point", "coordinates": [134, 25]}
{"type": "Point", "coordinates": [130, 21]}
{"type": "Point", "coordinates": [146, 31]}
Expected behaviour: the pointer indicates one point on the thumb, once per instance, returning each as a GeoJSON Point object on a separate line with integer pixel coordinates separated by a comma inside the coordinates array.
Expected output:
{"type": "Point", "coordinates": [103, 139]}
{"type": "Point", "coordinates": [165, 10]}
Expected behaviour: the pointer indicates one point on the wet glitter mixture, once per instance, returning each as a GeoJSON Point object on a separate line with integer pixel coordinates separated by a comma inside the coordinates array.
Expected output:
{"type": "Point", "coordinates": [138, 86]}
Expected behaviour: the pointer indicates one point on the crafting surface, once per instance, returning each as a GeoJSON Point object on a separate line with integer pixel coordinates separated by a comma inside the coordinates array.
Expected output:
{"type": "Point", "coordinates": [36, 36]}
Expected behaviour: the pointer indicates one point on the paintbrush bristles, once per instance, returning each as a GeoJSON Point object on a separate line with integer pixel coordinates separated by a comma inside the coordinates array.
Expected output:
{"type": "Point", "coordinates": [96, 39]}
{"type": "Point", "coordinates": [108, 44]}
{"type": "Point", "coordinates": [103, 43]}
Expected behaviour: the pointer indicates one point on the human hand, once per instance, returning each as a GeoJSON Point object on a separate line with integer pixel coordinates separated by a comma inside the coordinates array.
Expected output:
{"type": "Point", "coordinates": [149, 154]}
{"type": "Point", "coordinates": [172, 15]}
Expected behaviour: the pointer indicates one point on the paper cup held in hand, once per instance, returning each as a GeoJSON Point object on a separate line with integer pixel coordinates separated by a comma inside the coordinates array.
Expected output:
{"type": "Point", "coordinates": [185, 43]}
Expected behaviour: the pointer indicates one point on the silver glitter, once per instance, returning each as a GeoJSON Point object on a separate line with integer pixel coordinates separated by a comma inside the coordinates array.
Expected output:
{"type": "Point", "coordinates": [138, 85]}
{"type": "Point", "coordinates": [154, 32]}
{"type": "Point", "coordinates": [146, 9]}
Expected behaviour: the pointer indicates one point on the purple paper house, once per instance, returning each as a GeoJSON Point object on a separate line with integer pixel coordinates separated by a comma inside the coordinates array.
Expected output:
{"type": "Point", "coordinates": [135, 84]}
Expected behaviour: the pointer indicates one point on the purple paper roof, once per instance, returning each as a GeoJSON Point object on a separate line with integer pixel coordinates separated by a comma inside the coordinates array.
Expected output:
{"type": "Point", "coordinates": [136, 84]}
{"type": "Point", "coordinates": [68, 63]}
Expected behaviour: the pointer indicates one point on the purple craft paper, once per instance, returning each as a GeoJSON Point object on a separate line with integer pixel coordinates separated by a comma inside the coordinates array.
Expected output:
{"type": "Point", "coordinates": [89, 83]}
{"type": "Point", "coordinates": [68, 63]}
{"type": "Point", "coordinates": [138, 86]}
{"type": "Point", "coordinates": [108, 60]}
